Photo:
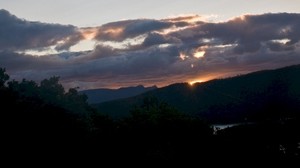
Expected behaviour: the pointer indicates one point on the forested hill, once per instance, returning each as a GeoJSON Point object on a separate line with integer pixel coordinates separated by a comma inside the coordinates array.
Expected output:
{"type": "Point", "coordinates": [41, 122]}
{"type": "Point", "coordinates": [223, 100]}
{"type": "Point", "coordinates": [103, 95]}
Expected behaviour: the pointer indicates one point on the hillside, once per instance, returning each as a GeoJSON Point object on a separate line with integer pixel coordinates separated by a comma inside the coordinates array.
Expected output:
{"type": "Point", "coordinates": [103, 95]}
{"type": "Point", "coordinates": [53, 123]}
{"type": "Point", "coordinates": [212, 99]}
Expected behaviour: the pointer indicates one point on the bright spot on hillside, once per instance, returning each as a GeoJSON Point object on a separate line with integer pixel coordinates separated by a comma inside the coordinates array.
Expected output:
{"type": "Point", "coordinates": [195, 81]}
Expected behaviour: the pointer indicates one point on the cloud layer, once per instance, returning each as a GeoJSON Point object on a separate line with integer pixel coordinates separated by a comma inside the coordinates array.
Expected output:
{"type": "Point", "coordinates": [147, 51]}
{"type": "Point", "coordinates": [19, 34]}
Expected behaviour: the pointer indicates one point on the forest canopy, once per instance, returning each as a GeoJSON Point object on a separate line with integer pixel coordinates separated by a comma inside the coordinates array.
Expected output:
{"type": "Point", "coordinates": [43, 118]}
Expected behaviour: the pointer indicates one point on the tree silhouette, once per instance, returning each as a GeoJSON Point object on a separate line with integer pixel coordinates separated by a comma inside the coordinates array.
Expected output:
{"type": "Point", "coordinates": [45, 119]}
{"type": "Point", "coordinates": [157, 131]}
{"type": "Point", "coordinates": [3, 77]}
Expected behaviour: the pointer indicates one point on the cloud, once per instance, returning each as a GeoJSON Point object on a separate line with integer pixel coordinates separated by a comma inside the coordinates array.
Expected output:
{"type": "Point", "coordinates": [19, 34]}
{"type": "Point", "coordinates": [185, 18]}
{"type": "Point", "coordinates": [119, 31]}
{"type": "Point", "coordinates": [157, 39]}
{"type": "Point", "coordinates": [122, 30]}
{"type": "Point", "coordinates": [69, 41]}
{"type": "Point", "coordinates": [277, 46]}
{"type": "Point", "coordinates": [165, 53]}
{"type": "Point", "coordinates": [249, 32]}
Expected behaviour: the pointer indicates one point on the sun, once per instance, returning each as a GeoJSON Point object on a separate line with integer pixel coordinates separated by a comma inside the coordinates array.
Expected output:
{"type": "Point", "coordinates": [195, 81]}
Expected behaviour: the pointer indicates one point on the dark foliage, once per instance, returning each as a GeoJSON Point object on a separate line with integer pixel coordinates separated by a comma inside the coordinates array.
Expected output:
{"type": "Point", "coordinates": [225, 100]}
{"type": "Point", "coordinates": [39, 119]}
{"type": "Point", "coordinates": [44, 122]}
{"type": "Point", "coordinates": [103, 95]}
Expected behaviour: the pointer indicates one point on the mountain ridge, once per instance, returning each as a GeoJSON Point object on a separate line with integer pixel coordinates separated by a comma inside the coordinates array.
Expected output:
{"type": "Point", "coordinates": [200, 98]}
{"type": "Point", "coordinates": [104, 94]}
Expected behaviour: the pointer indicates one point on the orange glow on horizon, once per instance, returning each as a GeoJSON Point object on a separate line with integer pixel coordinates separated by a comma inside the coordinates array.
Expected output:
{"type": "Point", "coordinates": [203, 79]}
{"type": "Point", "coordinates": [195, 81]}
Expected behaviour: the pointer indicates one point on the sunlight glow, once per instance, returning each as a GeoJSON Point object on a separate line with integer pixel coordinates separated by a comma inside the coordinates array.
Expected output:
{"type": "Point", "coordinates": [189, 18]}
{"type": "Point", "coordinates": [206, 40]}
{"type": "Point", "coordinates": [173, 29]}
{"type": "Point", "coordinates": [183, 56]}
{"type": "Point", "coordinates": [192, 21]}
{"type": "Point", "coordinates": [202, 79]}
{"type": "Point", "coordinates": [285, 30]}
{"type": "Point", "coordinates": [164, 45]}
{"type": "Point", "coordinates": [224, 45]}
{"type": "Point", "coordinates": [39, 52]}
{"type": "Point", "coordinates": [243, 17]}
{"type": "Point", "coordinates": [114, 31]}
{"type": "Point", "coordinates": [282, 41]}
{"type": "Point", "coordinates": [195, 81]}
{"type": "Point", "coordinates": [199, 54]}
{"type": "Point", "coordinates": [89, 33]}
{"type": "Point", "coordinates": [127, 43]}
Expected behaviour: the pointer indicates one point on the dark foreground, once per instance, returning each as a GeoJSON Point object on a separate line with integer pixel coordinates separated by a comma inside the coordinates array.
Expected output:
{"type": "Point", "coordinates": [43, 123]}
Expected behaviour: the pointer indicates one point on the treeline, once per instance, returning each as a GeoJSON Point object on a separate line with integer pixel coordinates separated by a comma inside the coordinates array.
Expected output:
{"type": "Point", "coordinates": [228, 100]}
{"type": "Point", "coordinates": [44, 120]}
{"type": "Point", "coordinates": [41, 117]}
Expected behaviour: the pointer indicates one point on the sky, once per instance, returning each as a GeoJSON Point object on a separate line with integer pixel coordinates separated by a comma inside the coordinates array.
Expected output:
{"type": "Point", "coordinates": [110, 44]}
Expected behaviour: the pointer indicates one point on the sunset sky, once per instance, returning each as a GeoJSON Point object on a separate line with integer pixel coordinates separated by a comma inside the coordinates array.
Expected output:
{"type": "Point", "coordinates": [111, 44]}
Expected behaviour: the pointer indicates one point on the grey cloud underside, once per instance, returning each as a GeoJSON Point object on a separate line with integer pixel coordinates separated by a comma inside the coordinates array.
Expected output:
{"type": "Point", "coordinates": [133, 28]}
{"type": "Point", "coordinates": [19, 34]}
{"type": "Point", "coordinates": [243, 44]}
{"type": "Point", "coordinates": [249, 33]}
{"type": "Point", "coordinates": [156, 39]}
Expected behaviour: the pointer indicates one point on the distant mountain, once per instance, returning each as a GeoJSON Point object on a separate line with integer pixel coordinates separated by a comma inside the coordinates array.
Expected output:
{"type": "Point", "coordinates": [222, 100]}
{"type": "Point", "coordinates": [103, 95]}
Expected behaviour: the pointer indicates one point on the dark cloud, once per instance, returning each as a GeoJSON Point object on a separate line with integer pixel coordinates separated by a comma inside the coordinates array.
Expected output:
{"type": "Point", "coordinates": [102, 51]}
{"type": "Point", "coordinates": [186, 18]}
{"type": "Point", "coordinates": [171, 50]}
{"type": "Point", "coordinates": [156, 39]}
{"type": "Point", "coordinates": [69, 41]}
{"type": "Point", "coordinates": [19, 34]}
{"type": "Point", "coordinates": [277, 46]}
{"type": "Point", "coordinates": [119, 31]}
{"type": "Point", "coordinates": [249, 32]}
{"type": "Point", "coordinates": [151, 29]}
